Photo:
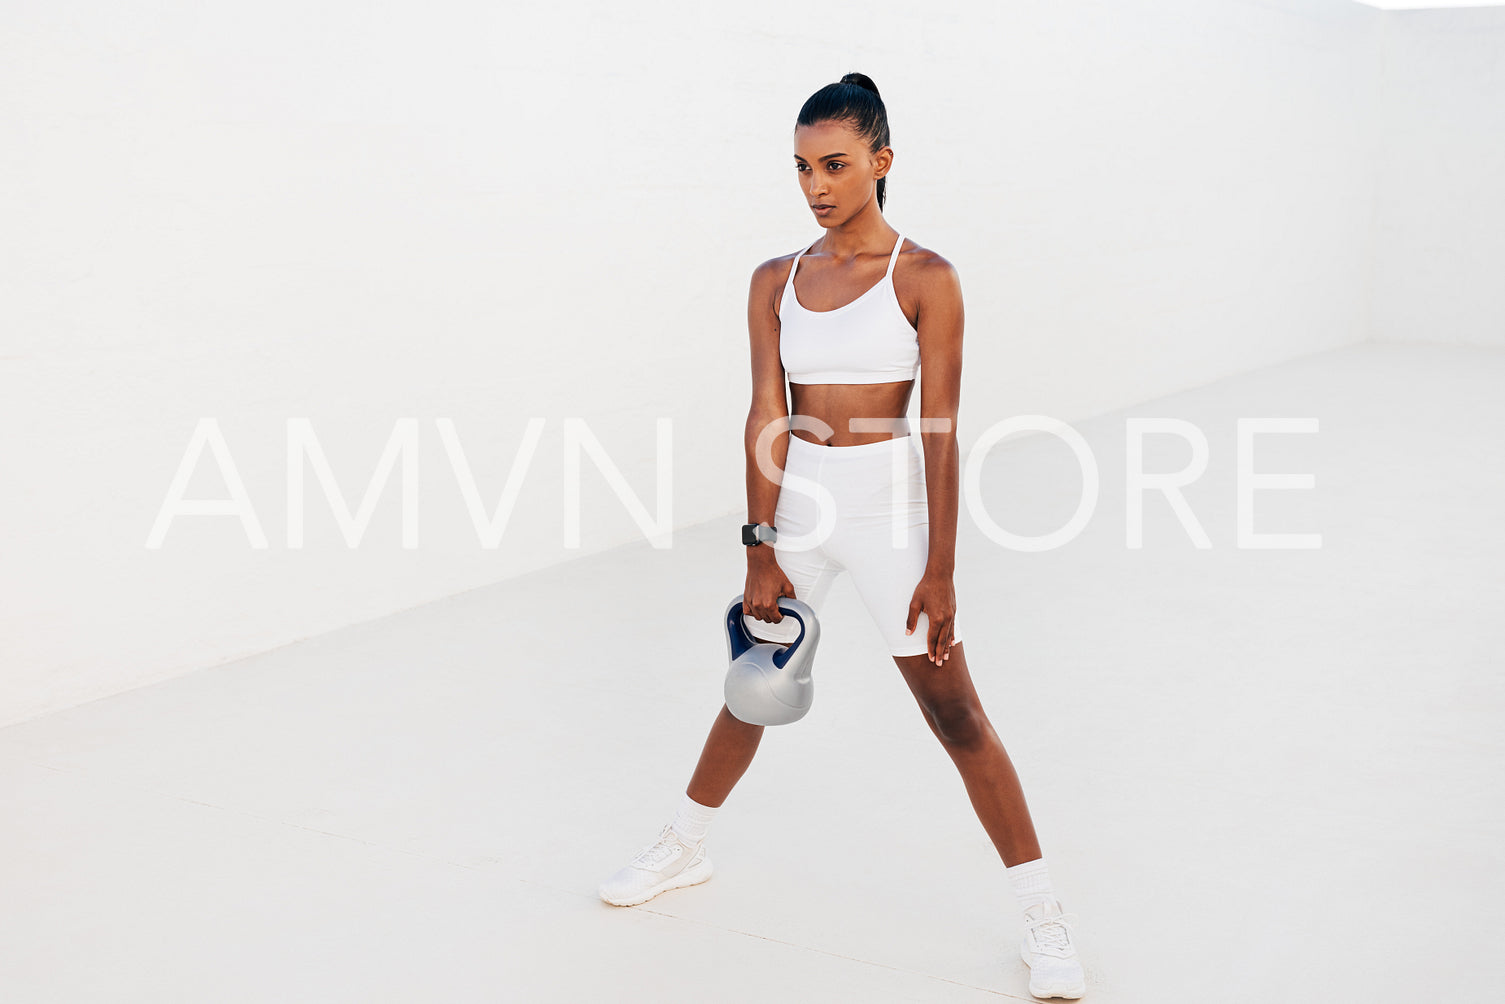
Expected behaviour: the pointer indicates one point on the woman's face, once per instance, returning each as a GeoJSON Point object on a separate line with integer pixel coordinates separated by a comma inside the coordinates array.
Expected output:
{"type": "Point", "coordinates": [836, 170]}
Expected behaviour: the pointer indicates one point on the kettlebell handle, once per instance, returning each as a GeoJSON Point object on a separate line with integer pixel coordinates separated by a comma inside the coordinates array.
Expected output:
{"type": "Point", "coordinates": [737, 631]}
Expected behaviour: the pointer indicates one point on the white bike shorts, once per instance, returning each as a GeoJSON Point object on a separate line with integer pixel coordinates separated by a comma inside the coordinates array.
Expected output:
{"type": "Point", "coordinates": [860, 509]}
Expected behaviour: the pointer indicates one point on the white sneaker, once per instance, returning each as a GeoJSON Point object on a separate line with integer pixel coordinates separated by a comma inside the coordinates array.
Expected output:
{"type": "Point", "coordinates": [1048, 951]}
{"type": "Point", "coordinates": [667, 863]}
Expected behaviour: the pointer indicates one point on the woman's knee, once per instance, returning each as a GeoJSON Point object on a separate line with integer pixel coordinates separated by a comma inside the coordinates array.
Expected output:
{"type": "Point", "coordinates": [958, 722]}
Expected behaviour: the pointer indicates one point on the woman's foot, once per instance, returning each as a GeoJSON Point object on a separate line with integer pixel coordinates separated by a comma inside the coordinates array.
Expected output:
{"type": "Point", "coordinates": [1050, 952]}
{"type": "Point", "coordinates": [667, 863]}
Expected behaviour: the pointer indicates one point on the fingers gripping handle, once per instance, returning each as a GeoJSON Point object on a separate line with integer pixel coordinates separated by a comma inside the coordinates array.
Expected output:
{"type": "Point", "coordinates": [738, 641]}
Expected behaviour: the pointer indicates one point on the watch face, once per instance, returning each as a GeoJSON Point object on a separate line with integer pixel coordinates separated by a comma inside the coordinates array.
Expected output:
{"type": "Point", "coordinates": [749, 534]}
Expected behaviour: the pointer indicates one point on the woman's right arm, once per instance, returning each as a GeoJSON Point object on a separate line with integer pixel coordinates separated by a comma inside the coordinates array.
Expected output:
{"type": "Point", "coordinates": [766, 432]}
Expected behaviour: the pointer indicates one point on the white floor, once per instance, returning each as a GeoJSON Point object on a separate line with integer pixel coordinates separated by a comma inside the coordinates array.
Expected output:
{"type": "Point", "coordinates": [1258, 775]}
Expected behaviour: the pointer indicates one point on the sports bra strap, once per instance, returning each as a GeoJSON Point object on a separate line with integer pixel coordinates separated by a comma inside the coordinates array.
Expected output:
{"type": "Point", "coordinates": [789, 282]}
{"type": "Point", "coordinates": [893, 259]}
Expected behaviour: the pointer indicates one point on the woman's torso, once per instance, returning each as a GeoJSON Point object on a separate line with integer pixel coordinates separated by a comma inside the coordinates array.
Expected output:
{"type": "Point", "coordinates": [847, 345]}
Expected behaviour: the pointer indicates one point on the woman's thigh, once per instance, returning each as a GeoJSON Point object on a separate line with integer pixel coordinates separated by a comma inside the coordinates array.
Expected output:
{"type": "Point", "coordinates": [883, 541]}
{"type": "Point", "coordinates": [798, 548]}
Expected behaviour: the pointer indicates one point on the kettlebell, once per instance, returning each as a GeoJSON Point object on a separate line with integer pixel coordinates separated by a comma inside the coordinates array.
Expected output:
{"type": "Point", "coordinates": [768, 683]}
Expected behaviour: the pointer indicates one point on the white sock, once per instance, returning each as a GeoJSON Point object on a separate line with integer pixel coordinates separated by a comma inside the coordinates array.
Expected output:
{"type": "Point", "coordinates": [1031, 881]}
{"type": "Point", "coordinates": [692, 820]}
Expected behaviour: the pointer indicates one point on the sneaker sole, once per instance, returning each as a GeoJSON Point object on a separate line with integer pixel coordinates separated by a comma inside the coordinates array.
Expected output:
{"type": "Point", "coordinates": [1070, 993]}
{"type": "Point", "coordinates": [694, 875]}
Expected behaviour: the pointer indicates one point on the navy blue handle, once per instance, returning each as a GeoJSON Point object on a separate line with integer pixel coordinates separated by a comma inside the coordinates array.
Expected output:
{"type": "Point", "coordinates": [782, 655]}
{"type": "Point", "coordinates": [742, 641]}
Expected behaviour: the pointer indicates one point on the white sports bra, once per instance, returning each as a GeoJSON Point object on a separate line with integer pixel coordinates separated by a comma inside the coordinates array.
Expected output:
{"type": "Point", "coordinates": [866, 341]}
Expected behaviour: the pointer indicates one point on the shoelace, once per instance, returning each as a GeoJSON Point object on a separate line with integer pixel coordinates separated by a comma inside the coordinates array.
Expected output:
{"type": "Point", "coordinates": [657, 853]}
{"type": "Point", "coordinates": [1052, 932]}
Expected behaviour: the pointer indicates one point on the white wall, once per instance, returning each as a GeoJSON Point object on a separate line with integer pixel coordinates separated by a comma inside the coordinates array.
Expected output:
{"type": "Point", "coordinates": [493, 214]}
{"type": "Point", "coordinates": [1440, 214]}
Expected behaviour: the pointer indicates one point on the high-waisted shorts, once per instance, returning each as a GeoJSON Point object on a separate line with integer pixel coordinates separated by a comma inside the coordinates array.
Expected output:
{"type": "Point", "coordinates": [860, 509]}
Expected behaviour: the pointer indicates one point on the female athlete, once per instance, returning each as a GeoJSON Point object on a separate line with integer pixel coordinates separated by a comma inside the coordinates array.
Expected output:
{"type": "Point", "coordinates": [840, 483]}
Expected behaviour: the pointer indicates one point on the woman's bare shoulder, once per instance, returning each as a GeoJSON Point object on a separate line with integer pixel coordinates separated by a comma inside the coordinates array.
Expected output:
{"type": "Point", "coordinates": [921, 260]}
{"type": "Point", "coordinates": [768, 280]}
{"type": "Point", "coordinates": [924, 271]}
{"type": "Point", "coordinates": [775, 269]}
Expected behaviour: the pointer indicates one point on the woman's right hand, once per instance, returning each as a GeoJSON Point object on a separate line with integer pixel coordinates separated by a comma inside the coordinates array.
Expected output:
{"type": "Point", "coordinates": [766, 582]}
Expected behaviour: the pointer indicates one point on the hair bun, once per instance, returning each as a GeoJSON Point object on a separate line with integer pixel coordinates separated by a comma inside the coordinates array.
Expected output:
{"type": "Point", "coordinates": [861, 80]}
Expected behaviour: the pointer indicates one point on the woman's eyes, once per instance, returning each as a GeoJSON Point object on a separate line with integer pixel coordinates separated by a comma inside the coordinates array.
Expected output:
{"type": "Point", "coordinates": [834, 165]}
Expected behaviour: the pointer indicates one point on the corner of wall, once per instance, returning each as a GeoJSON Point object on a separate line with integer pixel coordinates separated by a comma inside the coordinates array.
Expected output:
{"type": "Point", "coordinates": [1378, 147]}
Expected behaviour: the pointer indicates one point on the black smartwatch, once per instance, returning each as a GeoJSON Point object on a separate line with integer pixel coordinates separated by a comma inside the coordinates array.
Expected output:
{"type": "Point", "coordinates": [754, 534]}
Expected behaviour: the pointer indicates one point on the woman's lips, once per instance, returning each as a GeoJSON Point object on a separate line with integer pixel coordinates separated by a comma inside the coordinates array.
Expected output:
{"type": "Point", "coordinates": [822, 210]}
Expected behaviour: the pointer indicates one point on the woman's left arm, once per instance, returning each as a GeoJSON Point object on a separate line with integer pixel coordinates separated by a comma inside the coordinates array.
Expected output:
{"type": "Point", "coordinates": [940, 335]}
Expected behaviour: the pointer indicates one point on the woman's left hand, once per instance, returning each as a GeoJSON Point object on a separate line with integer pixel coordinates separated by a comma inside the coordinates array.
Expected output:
{"type": "Point", "coordinates": [936, 596]}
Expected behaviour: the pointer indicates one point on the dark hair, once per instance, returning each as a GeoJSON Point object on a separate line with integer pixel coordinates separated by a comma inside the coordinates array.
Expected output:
{"type": "Point", "coordinates": [854, 100]}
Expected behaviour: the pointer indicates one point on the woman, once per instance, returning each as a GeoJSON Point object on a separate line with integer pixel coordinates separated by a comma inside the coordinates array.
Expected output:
{"type": "Point", "coordinates": [849, 320]}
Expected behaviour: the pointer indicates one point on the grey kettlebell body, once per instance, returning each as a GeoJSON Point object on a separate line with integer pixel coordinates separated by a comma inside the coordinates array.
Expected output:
{"type": "Point", "coordinates": [768, 683]}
